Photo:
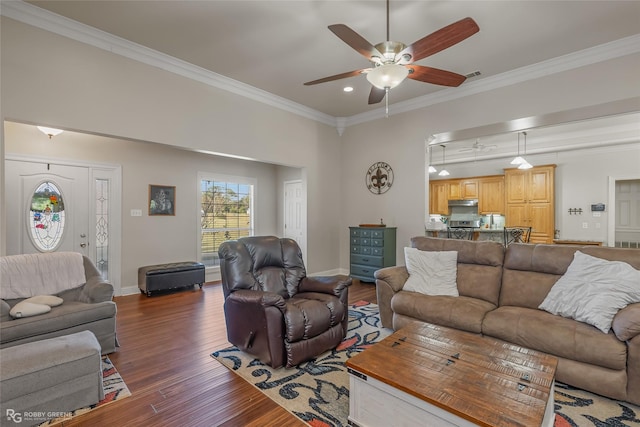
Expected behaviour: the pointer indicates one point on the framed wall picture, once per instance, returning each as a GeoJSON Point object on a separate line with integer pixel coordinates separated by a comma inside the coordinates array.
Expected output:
{"type": "Point", "coordinates": [162, 200]}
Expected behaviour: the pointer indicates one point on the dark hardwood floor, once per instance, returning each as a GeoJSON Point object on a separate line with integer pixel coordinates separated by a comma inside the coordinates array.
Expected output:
{"type": "Point", "coordinates": [164, 358]}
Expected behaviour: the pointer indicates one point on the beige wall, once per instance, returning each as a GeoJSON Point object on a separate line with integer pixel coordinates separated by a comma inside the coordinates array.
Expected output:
{"type": "Point", "coordinates": [47, 79]}
{"type": "Point", "coordinates": [146, 239]}
{"type": "Point", "coordinates": [51, 80]}
{"type": "Point", "coordinates": [400, 140]}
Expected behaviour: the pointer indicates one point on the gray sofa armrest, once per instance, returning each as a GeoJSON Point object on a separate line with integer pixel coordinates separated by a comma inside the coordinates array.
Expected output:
{"type": "Point", "coordinates": [389, 281]}
{"type": "Point", "coordinates": [626, 324]}
{"type": "Point", "coordinates": [96, 290]}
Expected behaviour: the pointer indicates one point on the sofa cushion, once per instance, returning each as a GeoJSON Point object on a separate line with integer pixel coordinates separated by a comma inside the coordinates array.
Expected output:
{"type": "Point", "coordinates": [556, 335]}
{"type": "Point", "coordinates": [593, 290]}
{"type": "Point", "coordinates": [66, 316]}
{"type": "Point", "coordinates": [461, 312]}
{"type": "Point", "coordinates": [28, 309]}
{"type": "Point", "coordinates": [479, 265]}
{"type": "Point", "coordinates": [431, 272]}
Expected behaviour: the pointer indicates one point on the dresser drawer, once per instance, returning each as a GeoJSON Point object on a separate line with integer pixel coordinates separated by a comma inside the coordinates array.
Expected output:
{"type": "Point", "coordinates": [377, 234]}
{"type": "Point", "coordinates": [357, 249]}
{"type": "Point", "coordinates": [365, 260]}
{"type": "Point", "coordinates": [356, 241]}
{"type": "Point", "coordinates": [377, 242]}
{"type": "Point", "coordinates": [357, 270]}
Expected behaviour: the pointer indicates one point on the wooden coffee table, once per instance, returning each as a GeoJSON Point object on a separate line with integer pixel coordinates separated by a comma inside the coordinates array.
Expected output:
{"type": "Point", "coordinates": [430, 375]}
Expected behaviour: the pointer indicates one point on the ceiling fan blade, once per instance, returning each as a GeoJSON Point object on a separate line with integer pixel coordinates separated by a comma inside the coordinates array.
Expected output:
{"type": "Point", "coordinates": [376, 95]}
{"type": "Point", "coordinates": [355, 40]}
{"type": "Point", "coordinates": [336, 77]}
{"type": "Point", "coordinates": [435, 76]}
{"type": "Point", "coordinates": [443, 38]}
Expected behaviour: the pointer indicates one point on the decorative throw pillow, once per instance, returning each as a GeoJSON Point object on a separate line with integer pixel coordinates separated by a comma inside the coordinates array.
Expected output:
{"type": "Point", "coordinates": [431, 272]}
{"type": "Point", "coordinates": [28, 309]}
{"type": "Point", "coordinates": [50, 300]}
{"type": "Point", "coordinates": [593, 290]}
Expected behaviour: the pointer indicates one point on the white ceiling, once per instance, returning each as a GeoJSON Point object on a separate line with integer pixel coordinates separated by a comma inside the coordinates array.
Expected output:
{"type": "Point", "coordinates": [276, 46]}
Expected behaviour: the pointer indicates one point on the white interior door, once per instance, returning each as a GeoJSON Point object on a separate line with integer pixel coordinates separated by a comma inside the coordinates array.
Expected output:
{"type": "Point", "coordinates": [294, 213]}
{"type": "Point", "coordinates": [22, 178]}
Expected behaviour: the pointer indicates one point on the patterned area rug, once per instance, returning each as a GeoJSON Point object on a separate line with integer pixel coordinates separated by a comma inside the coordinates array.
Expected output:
{"type": "Point", "coordinates": [318, 391]}
{"type": "Point", "coordinates": [114, 389]}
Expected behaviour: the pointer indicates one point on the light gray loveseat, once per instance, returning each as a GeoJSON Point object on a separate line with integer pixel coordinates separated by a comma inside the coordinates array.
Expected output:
{"type": "Point", "coordinates": [71, 276]}
{"type": "Point", "coordinates": [500, 292]}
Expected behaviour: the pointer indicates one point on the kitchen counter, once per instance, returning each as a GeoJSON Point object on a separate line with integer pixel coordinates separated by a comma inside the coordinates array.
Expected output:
{"type": "Point", "coordinates": [494, 235]}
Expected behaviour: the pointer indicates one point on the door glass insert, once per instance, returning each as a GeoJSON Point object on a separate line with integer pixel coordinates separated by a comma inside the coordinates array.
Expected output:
{"type": "Point", "coordinates": [47, 217]}
{"type": "Point", "coordinates": [102, 227]}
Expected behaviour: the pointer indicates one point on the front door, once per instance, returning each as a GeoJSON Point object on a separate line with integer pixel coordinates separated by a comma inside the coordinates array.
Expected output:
{"type": "Point", "coordinates": [47, 208]}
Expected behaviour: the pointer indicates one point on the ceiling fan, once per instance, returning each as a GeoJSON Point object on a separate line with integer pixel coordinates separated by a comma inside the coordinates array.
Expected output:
{"type": "Point", "coordinates": [477, 147]}
{"type": "Point", "coordinates": [394, 61]}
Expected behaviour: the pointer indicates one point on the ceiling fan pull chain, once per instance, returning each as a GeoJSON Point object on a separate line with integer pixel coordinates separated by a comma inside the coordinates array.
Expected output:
{"type": "Point", "coordinates": [386, 102]}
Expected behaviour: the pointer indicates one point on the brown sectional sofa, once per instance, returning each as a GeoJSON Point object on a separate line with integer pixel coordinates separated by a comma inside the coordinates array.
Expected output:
{"type": "Point", "coordinates": [500, 292]}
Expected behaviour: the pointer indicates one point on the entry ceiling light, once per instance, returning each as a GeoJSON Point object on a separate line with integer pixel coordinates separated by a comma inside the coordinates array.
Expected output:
{"type": "Point", "coordinates": [443, 172]}
{"type": "Point", "coordinates": [431, 168]}
{"type": "Point", "coordinates": [525, 164]}
{"type": "Point", "coordinates": [51, 132]}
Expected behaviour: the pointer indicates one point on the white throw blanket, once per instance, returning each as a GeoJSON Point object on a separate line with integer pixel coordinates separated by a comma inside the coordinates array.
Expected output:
{"type": "Point", "coordinates": [28, 275]}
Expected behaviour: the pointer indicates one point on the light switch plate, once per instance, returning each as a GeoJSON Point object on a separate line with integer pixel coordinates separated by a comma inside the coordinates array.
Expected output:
{"type": "Point", "coordinates": [136, 212]}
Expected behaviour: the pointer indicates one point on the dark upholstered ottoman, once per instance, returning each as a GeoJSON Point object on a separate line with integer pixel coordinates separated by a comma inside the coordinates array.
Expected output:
{"type": "Point", "coordinates": [170, 276]}
{"type": "Point", "coordinates": [48, 378]}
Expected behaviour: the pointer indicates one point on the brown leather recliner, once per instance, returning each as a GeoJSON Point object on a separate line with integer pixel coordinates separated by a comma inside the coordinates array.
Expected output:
{"type": "Point", "coordinates": [272, 309]}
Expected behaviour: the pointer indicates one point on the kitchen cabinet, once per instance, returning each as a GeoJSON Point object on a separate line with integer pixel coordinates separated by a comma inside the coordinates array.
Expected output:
{"type": "Point", "coordinates": [463, 189]}
{"type": "Point", "coordinates": [441, 191]}
{"type": "Point", "coordinates": [491, 195]}
{"type": "Point", "coordinates": [371, 248]}
{"type": "Point", "coordinates": [439, 198]}
{"type": "Point", "coordinates": [530, 201]}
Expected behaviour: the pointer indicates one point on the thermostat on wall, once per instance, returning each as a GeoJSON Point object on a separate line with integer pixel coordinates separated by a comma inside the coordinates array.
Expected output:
{"type": "Point", "coordinates": [598, 207]}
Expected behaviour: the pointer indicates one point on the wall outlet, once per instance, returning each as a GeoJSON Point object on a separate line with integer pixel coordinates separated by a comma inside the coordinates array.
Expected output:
{"type": "Point", "coordinates": [585, 225]}
{"type": "Point", "coordinates": [136, 212]}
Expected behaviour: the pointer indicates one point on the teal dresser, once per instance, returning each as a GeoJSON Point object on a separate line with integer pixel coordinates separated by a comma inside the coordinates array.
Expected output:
{"type": "Point", "coordinates": [372, 248]}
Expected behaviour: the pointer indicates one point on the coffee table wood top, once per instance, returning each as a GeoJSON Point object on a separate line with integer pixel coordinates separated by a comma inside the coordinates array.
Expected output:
{"type": "Point", "coordinates": [478, 378]}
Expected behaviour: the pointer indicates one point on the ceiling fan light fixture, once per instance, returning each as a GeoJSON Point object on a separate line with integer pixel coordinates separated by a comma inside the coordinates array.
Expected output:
{"type": "Point", "coordinates": [387, 75]}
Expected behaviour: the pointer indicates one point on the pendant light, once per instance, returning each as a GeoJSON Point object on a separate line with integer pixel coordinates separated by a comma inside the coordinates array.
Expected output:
{"type": "Point", "coordinates": [431, 168]}
{"type": "Point", "coordinates": [518, 160]}
{"type": "Point", "coordinates": [525, 164]}
{"type": "Point", "coordinates": [50, 132]}
{"type": "Point", "coordinates": [443, 172]}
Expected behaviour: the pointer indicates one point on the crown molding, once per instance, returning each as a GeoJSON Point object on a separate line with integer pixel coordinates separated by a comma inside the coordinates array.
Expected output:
{"type": "Point", "coordinates": [43, 19]}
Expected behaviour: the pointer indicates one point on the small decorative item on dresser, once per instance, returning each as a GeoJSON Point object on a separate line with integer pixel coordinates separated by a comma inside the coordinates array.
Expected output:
{"type": "Point", "coordinates": [372, 247]}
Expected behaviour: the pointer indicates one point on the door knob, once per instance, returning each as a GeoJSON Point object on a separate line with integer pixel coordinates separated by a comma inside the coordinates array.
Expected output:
{"type": "Point", "coordinates": [83, 245]}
